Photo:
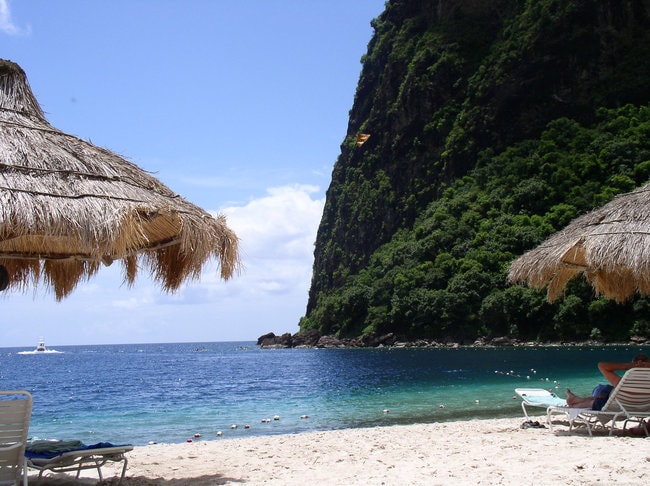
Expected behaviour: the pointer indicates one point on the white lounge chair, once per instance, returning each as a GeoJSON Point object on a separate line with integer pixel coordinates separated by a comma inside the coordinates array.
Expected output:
{"type": "Point", "coordinates": [81, 459]}
{"type": "Point", "coordinates": [538, 397]}
{"type": "Point", "coordinates": [15, 414]}
{"type": "Point", "coordinates": [628, 401]}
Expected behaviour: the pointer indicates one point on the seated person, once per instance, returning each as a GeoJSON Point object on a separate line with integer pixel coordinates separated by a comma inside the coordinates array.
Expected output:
{"type": "Point", "coordinates": [601, 393]}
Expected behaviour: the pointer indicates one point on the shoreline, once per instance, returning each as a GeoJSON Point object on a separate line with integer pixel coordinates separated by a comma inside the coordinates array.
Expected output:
{"type": "Point", "coordinates": [485, 451]}
{"type": "Point", "coordinates": [313, 340]}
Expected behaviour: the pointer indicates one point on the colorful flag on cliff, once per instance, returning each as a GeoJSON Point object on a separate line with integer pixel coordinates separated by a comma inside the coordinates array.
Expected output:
{"type": "Point", "coordinates": [362, 138]}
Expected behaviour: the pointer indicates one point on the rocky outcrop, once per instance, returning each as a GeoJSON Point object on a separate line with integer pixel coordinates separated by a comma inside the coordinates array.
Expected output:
{"type": "Point", "coordinates": [313, 339]}
{"type": "Point", "coordinates": [270, 340]}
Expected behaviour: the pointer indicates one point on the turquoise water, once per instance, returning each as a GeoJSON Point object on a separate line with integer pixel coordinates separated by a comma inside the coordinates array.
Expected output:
{"type": "Point", "coordinates": [170, 392]}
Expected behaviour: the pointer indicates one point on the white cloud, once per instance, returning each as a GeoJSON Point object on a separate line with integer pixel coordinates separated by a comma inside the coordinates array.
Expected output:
{"type": "Point", "coordinates": [281, 224]}
{"type": "Point", "coordinates": [277, 234]}
{"type": "Point", "coordinates": [6, 24]}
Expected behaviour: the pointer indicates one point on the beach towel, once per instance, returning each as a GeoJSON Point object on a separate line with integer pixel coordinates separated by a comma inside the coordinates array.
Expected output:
{"type": "Point", "coordinates": [49, 448]}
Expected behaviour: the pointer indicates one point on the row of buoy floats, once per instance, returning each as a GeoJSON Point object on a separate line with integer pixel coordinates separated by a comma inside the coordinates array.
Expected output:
{"type": "Point", "coordinates": [277, 418]}
{"type": "Point", "coordinates": [235, 426]}
{"type": "Point", "coordinates": [518, 375]}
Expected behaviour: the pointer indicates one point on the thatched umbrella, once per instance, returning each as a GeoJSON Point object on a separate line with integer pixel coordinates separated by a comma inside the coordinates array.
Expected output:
{"type": "Point", "coordinates": [67, 206]}
{"type": "Point", "coordinates": [610, 246]}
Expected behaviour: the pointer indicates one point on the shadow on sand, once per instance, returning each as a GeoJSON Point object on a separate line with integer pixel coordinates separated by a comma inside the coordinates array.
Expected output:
{"type": "Point", "coordinates": [61, 480]}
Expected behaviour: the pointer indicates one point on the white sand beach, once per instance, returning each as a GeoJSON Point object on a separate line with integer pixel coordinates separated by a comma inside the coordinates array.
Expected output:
{"type": "Point", "coordinates": [485, 452]}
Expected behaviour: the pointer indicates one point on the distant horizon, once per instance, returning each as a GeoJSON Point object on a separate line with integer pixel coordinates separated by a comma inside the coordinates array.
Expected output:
{"type": "Point", "coordinates": [524, 344]}
{"type": "Point", "coordinates": [53, 346]}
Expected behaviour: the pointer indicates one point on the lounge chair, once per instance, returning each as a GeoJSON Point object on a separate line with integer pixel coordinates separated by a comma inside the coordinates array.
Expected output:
{"type": "Point", "coordinates": [60, 459]}
{"type": "Point", "coordinates": [538, 397]}
{"type": "Point", "coordinates": [15, 413]}
{"type": "Point", "coordinates": [629, 401]}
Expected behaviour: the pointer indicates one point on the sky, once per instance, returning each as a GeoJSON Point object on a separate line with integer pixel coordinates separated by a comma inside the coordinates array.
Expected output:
{"type": "Point", "coordinates": [240, 106]}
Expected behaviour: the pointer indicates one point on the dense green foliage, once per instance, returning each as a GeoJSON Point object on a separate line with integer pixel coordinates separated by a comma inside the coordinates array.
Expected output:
{"type": "Point", "coordinates": [493, 123]}
{"type": "Point", "coordinates": [447, 277]}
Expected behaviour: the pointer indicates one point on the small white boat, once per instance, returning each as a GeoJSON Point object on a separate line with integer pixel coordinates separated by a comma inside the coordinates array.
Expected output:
{"type": "Point", "coordinates": [40, 349]}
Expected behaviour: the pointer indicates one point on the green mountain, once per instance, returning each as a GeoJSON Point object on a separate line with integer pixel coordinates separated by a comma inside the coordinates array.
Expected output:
{"type": "Point", "coordinates": [492, 124]}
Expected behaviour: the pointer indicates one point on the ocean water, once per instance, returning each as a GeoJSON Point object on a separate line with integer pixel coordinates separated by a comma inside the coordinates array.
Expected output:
{"type": "Point", "coordinates": [144, 393]}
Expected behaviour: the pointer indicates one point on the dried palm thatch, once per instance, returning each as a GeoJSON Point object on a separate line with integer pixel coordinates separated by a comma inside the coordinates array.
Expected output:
{"type": "Point", "coordinates": [66, 206]}
{"type": "Point", "coordinates": [610, 246]}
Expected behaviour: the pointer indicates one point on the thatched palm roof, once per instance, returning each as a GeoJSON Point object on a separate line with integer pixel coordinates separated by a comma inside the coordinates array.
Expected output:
{"type": "Point", "coordinates": [66, 206]}
{"type": "Point", "coordinates": [610, 246]}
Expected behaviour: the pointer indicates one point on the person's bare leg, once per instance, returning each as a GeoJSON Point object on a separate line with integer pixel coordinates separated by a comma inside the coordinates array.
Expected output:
{"type": "Point", "coordinates": [575, 401]}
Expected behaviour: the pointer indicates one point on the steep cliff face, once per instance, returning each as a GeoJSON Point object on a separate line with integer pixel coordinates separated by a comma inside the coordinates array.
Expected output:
{"type": "Point", "coordinates": [445, 80]}
{"type": "Point", "coordinates": [412, 86]}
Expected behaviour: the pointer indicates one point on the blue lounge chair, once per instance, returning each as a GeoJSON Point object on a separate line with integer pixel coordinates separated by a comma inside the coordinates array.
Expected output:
{"type": "Point", "coordinates": [538, 397]}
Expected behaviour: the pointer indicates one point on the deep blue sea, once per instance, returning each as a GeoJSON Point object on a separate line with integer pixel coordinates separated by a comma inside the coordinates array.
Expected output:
{"type": "Point", "coordinates": [142, 393]}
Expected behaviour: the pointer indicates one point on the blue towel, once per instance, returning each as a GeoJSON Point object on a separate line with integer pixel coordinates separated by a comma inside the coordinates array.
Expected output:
{"type": "Point", "coordinates": [550, 400]}
{"type": "Point", "coordinates": [47, 449]}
